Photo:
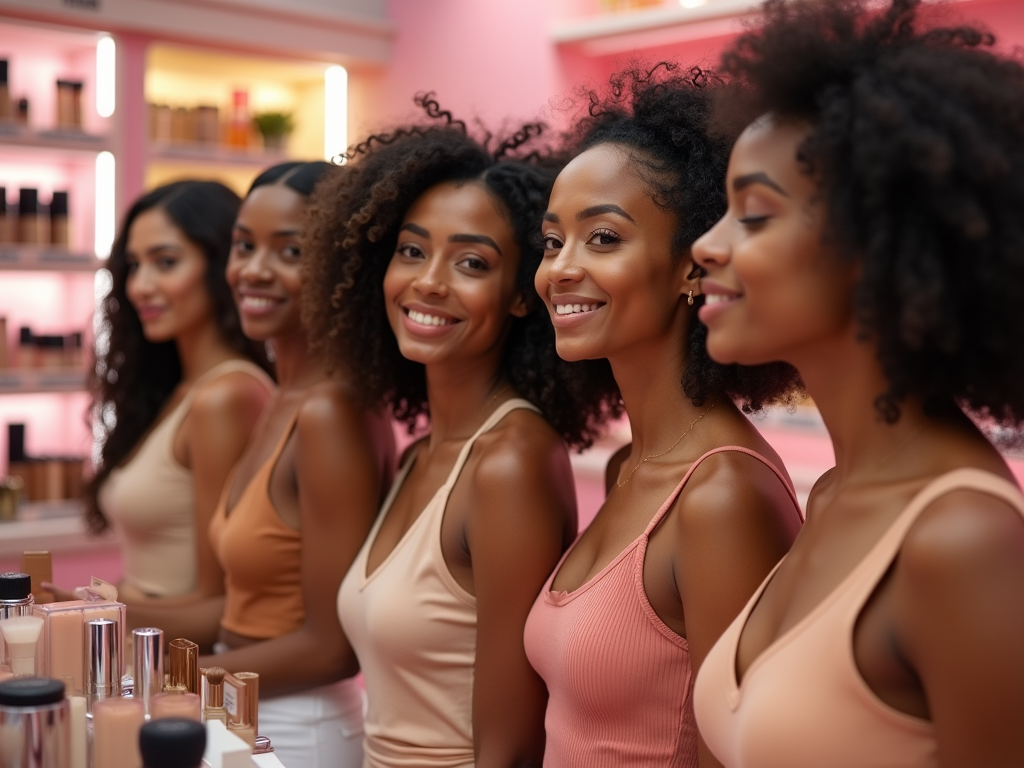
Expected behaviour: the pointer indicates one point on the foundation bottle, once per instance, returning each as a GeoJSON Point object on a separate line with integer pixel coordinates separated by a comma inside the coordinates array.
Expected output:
{"type": "Point", "coordinates": [22, 113]}
{"type": "Point", "coordinates": [183, 663]}
{"type": "Point", "coordinates": [26, 348]}
{"type": "Point", "coordinates": [69, 105]}
{"type": "Point", "coordinates": [5, 93]}
{"type": "Point", "coordinates": [172, 743]}
{"type": "Point", "coordinates": [28, 216]}
{"type": "Point", "coordinates": [239, 127]}
{"type": "Point", "coordinates": [236, 702]}
{"type": "Point", "coordinates": [214, 709]}
{"type": "Point", "coordinates": [6, 220]}
{"type": "Point", "coordinates": [3, 342]}
{"type": "Point", "coordinates": [59, 219]}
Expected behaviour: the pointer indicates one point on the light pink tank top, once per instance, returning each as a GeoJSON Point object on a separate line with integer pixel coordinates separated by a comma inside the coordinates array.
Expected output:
{"type": "Point", "coordinates": [618, 678]}
{"type": "Point", "coordinates": [413, 628]}
{"type": "Point", "coordinates": [803, 703]}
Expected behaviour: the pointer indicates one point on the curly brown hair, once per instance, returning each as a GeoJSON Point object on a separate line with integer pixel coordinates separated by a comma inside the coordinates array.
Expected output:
{"type": "Point", "coordinates": [917, 146]}
{"type": "Point", "coordinates": [132, 378]}
{"type": "Point", "coordinates": [662, 113]}
{"type": "Point", "coordinates": [351, 234]}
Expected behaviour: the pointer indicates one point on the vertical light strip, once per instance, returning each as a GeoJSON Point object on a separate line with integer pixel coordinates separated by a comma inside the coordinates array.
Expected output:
{"type": "Point", "coordinates": [106, 83]}
{"type": "Point", "coordinates": [106, 214]}
{"type": "Point", "coordinates": [335, 112]}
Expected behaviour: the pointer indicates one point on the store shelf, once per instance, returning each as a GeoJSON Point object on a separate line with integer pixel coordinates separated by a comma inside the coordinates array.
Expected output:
{"type": "Point", "coordinates": [635, 30]}
{"type": "Point", "coordinates": [213, 156]}
{"type": "Point", "coordinates": [67, 142]}
{"type": "Point", "coordinates": [14, 381]}
{"type": "Point", "coordinates": [46, 258]}
{"type": "Point", "coordinates": [56, 526]}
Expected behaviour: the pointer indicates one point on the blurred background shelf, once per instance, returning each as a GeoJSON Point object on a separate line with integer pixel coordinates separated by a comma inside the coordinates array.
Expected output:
{"type": "Point", "coordinates": [28, 382]}
{"type": "Point", "coordinates": [46, 258]}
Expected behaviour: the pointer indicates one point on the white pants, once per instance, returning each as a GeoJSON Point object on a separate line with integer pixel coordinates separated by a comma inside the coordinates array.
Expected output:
{"type": "Point", "coordinates": [318, 728]}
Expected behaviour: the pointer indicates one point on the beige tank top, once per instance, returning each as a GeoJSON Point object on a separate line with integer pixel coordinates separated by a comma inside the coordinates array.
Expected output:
{"type": "Point", "coordinates": [414, 630]}
{"type": "Point", "coordinates": [149, 501]}
{"type": "Point", "coordinates": [803, 703]}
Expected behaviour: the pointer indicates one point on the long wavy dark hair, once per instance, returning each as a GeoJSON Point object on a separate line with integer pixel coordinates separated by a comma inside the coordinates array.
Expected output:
{"type": "Point", "coordinates": [132, 378]}
{"type": "Point", "coordinates": [352, 231]}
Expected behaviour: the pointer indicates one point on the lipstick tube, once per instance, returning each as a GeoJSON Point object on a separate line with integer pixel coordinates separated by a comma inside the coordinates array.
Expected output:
{"type": "Point", "coordinates": [148, 669]}
{"type": "Point", "coordinates": [102, 661]}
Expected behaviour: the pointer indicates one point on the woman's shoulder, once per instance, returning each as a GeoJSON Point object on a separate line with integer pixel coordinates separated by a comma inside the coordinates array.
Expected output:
{"type": "Point", "coordinates": [329, 408]}
{"type": "Point", "coordinates": [234, 393]}
{"type": "Point", "coordinates": [521, 446]}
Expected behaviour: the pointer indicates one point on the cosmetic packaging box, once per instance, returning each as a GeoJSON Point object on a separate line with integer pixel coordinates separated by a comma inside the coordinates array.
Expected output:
{"type": "Point", "coordinates": [61, 649]}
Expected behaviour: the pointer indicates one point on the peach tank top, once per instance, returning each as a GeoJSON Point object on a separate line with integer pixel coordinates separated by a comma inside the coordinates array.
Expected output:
{"type": "Point", "coordinates": [261, 557]}
{"type": "Point", "coordinates": [618, 678]}
{"type": "Point", "coordinates": [149, 500]}
{"type": "Point", "coordinates": [414, 630]}
{"type": "Point", "coordinates": [803, 703]}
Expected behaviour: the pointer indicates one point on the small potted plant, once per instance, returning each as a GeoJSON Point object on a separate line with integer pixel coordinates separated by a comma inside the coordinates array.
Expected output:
{"type": "Point", "coordinates": [274, 127]}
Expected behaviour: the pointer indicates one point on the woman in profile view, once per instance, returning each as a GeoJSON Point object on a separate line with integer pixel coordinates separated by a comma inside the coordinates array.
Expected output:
{"type": "Point", "coordinates": [873, 239]}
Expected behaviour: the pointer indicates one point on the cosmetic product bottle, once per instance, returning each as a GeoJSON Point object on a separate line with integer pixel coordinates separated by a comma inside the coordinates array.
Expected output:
{"type": "Point", "coordinates": [28, 216]}
{"type": "Point", "coordinates": [21, 116]}
{"type": "Point", "coordinates": [26, 348]}
{"type": "Point", "coordinates": [11, 489]}
{"type": "Point", "coordinates": [5, 93]}
{"type": "Point", "coordinates": [183, 659]}
{"type": "Point", "coordinates": [79, 757]}
{"type": "Point", "coordinates": [148, 666]}
{"type": "Point", "coordinates": [240, 125]}
{"type": "Point", "coordinates": [172, 743]}
{"type": "Point", "coordinates": [176, 704]}
{"type": "Point", "coordinates": [3, 320]}
{"type": "Point", "coordinates": [39, 566]}
{"type": "Point", "coordinates": [15, 600]}
{"type": "Point", "coordinates": [34, 723]}
{"type": "Point", "coordinates": [252, 685]}
{"type": "Point", "coordinates": [214, 709]}
{"type": "Point", "coordinates": [62, 646]}
{"type": "Point", "coordinates": [6, 220]}
{"type": "Point", "coordinates": [74, 480]}
{"type": "Point", "coordinates": [49, 351]}
{"type": "Point", "coordinates": [69, 105]}
{"type": "Point", "coordinates": [21, 633]}
{"type": "Point", "coordinates": [236, 704]}
{"type": "Point", "coordinates": [115, 736]}
{"type": "Point", "coordinates": [102, 678]}
{"type": "Point", "coordinates": [74, 354]}
{"type": "Point", "coordinates": [17, 460]}
{"type": "Point", "coordinates": [59, 219]}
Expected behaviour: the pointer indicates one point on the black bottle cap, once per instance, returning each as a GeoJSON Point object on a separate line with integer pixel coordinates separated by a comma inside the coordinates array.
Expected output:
{"type": "Point", "coordinates": [172, 742]}
{"type": "Point", "coordinates": [15, 586]}
{"type": "Point", "coordinates": [3, 71]}
{"type": "Point", "coordinates": [30, 692]}
{"type": "Point", "coordinates": [3, 200]}
{"type": "Point", "coordinates": [25, 336]}
{"type": "Point", "coordinates": [28, 201]}
{"type": "Point", "coordinates": [23, 107]}
{"type": "Point", "coordinates": [16, 442]}
{"type": "Point", "coordinates": [59, 204]}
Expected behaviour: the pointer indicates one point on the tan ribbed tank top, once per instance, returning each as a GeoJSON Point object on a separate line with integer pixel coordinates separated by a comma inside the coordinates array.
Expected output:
{"type": "Point", "coordinates": [803, 703]}
{"type": "Point", "coordinates": [413, 628]}
{"type": "Point", "coordinates": [618, 678]}
{"type": "Point", "coordinates": [149, 501]}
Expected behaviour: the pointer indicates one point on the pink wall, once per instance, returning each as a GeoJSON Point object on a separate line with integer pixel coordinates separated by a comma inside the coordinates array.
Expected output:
{"type": "Point", "coordinates": [495, 60]}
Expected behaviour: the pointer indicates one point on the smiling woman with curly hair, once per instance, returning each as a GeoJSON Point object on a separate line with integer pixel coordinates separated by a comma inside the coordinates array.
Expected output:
{"type": "Point", "coordinates": [874, 240]}
{"type": "Point", "coordinates": [422, 253]}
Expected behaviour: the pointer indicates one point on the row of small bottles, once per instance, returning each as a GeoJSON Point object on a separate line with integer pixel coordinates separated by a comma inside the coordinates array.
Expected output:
{"type": "Point", "coordinates": [65, 701]}
{"type": "Point", "coordinates": [34, 225]}
{"type": "Point", "coordinates": [69, 103]}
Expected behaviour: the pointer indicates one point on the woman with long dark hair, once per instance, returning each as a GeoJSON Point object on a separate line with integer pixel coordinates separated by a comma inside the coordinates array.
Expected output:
{"type": "Point", "coordinates": [177, 390]}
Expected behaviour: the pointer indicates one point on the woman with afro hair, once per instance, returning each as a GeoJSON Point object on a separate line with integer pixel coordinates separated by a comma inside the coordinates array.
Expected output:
{"type": "Point", "coordinates": [423, 250]}
{"type": "Point", "coordinates": [699, 507]}
{"type": "Point", "coordinates": [874, 240]}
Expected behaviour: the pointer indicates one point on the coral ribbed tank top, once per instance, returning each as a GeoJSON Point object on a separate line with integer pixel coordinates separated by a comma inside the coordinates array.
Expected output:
{"type": "Point", "coordinates": [413, 628]}
{"type": "Point", "coordinates": [619, 680]}
{"type": "Point", "coordinates": [803, 703]}
{"type": "Point", "coordinates": [261, 557]}
{"type": "Point", "coordinates": [150, 502]}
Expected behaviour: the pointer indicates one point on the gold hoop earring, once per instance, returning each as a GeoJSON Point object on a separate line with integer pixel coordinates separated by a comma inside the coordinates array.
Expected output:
{"type": "Point", "coordinates": [689, 299]}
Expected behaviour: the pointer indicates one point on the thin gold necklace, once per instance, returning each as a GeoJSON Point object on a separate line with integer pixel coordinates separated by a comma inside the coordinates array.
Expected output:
{"type": "Point", "coordinates": [656, 455]}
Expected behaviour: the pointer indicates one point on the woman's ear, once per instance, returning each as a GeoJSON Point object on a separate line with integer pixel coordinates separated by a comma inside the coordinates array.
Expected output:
{"type": "Point", "coordinates": [689, 286]}
{"type": "Point", "coordinates": [519, 306]}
